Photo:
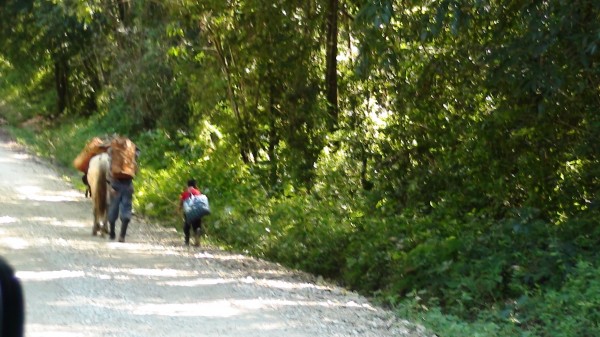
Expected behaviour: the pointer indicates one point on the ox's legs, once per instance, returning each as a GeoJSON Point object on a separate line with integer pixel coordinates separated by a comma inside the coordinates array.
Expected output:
{"type": "Point", "coordinates": [104, 227]}
{"type": "Point", "coordinates": [98, 226]}
{"type": "Point", "coordinates": [101, 227]}
{"type": "Point", "coordinates": [95, 226]}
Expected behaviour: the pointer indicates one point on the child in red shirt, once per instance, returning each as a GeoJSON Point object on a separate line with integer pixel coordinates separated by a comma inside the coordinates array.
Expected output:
{"type": "Point", "coordinates": [191, 189]}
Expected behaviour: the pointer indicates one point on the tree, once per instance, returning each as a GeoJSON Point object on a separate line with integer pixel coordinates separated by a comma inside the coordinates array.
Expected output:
{"type": "Point", "coordinates": [331, 62]}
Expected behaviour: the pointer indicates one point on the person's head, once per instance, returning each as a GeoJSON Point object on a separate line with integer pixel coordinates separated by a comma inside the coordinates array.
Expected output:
{"type": "Point", "coordinates": [191, 183]}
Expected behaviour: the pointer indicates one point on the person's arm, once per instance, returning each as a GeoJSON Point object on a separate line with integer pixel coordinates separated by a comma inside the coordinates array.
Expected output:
{"type": "Point", "coordinates": [180, 203]}
{"type": "Point", "coordinates": [182, 197]}
{"type": "Point", "coordinates": [137, 155]}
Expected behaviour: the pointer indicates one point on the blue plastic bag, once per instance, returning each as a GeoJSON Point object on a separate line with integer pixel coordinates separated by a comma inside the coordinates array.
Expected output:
{"type": "Point", "coordinates": [195, 207]}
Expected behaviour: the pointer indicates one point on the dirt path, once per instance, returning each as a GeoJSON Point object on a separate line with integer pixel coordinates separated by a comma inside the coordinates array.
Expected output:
{"type": "Point", "coordinates": [79, 285]}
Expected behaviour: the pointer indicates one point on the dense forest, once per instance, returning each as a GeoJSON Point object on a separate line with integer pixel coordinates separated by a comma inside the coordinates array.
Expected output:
{"type": "Point", "coordinates": [440, 155]}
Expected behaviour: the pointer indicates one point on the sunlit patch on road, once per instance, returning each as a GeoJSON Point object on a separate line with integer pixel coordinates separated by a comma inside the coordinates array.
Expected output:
{"type": "Point", "coordinates": [199, 282]}
{"type": "Point", "coordinates": [7, 219]}
{"type": "Point", "coordinates": [222, 308]}
{"type": "Point", "coordinates": [48, 275]}
{"type": "Point", "coordinates": [14, 243]}
{"type": "Point", "coordinates": [35, 194]}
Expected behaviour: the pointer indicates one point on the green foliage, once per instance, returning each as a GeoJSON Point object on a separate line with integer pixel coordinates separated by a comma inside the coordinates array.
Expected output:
{"type": "Point", "coordinates": [119, 118]}
{"type": "Point", "coordinates": [576, 303]}
{"type": "Point", "coordinates": [308, 234]}
{"type": "Point", "coordinates": [157, 193]}
{"type": "Point", "coordinates": [571, 310]}
{"type": "Point", "coordinates": [488, 324]}
{"type": "Point", "coordinates": [23, 95]}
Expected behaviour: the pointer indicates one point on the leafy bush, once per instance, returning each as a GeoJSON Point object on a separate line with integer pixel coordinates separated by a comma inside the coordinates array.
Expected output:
{"type": "Point", "coordinates": [308, 234]}
{"type": "Point", "coordinates": [488, 324]}
{"type": "Point", "coordinates": [572, 310]}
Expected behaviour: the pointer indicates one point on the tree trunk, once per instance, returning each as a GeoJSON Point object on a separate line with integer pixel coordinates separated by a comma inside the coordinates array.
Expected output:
{"type": "Point", "coordinates": [61, 76]}
{"type": "Point", "coordinates": [331, 64]}
{"type": "Point", "coordinates": [123, 9]}
{"type": "Point", "coordinates": [273, 138]}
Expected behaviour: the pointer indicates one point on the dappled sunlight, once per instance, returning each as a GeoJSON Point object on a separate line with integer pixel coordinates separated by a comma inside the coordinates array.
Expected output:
{"type": "Point", "coordinates": [7, 202]}
{"type": "Point", "coordinates": [224, 256]}
{"type": "Point", "coordinates": [231, 307]}
{"type": "Point", "coordinates": [260, 303]}
{"type": "Point", "coordinates": [102, 273]}
{"type": "Point", "coordinates": [35, 193]}
{"type": "Point", "coordinates": [51, 242]}
{"type": "Point", "coordinates": [28, 190]}
{"type": "Point", "coordinates": [39, 219]}
{"type": "Point", "coordinates": [14, 243]}
{"type": "Point", "coordinates": [284, 285]}
{"type": "Point", "coordinates": [264, 326]}
{"type": "Point", "coordinates": [47, 275]}
{"type": "Point", "coordinates": [131, 246]}
{"type": "Point", "coordinates": [159, 272]}
{"type": "Point", "coordinates": [68, 223]}
{"type": "Point", "coordinates": [60, 242]}
{"type": "Point", "coordinates": [216, 308]}
{"type": "Point", "coordinates": [221, 308]}
{"type": "Point", "coordinates": [102, 302]}
{"type": "Point", "coordinates": [81, 245]}
{"type": "Point", "coordinates": [220, 256]}
{"type": "Point", "coordinates": [141, 248]}
{"type": "Point", "coordinates": [7, 219]}
{"type": "Point", "coordinates": [244, 262]}
{"type": "Point", "coordinates": [8, 160]}
{"type": "Point", "coordinates": [17, 157]}
{"type": "Point", "coordinates": [57, 330]}
{"type": "Point", "coordinates": [52, 198]}
{"type": "Point", "coordinates": [56, 222]}
{"type": "Point", "coordinates": [199, 282]}
{"type": "Point", "coordinates": [147, 273]}
{"type": "Point", "coordinates": [246, 280]}
{"type": "Point", "coordinates": [83, 241]}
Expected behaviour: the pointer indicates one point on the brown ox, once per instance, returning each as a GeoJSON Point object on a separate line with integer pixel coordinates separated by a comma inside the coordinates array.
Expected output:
{"type": "Point", "coordinates": [96, 176]}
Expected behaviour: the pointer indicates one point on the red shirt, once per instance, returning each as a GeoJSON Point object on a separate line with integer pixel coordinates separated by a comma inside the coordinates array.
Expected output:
{"type": "Point", "coordinates": [186, 194]}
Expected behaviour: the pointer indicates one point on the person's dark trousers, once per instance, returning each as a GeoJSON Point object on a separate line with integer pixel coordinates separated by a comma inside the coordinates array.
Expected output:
{"type": "Point", "coordinates": [195, 225]}
{"type": "Point", "coordinates": [120, 206]}
{"type": "Point", "coordinates": [12, 309]}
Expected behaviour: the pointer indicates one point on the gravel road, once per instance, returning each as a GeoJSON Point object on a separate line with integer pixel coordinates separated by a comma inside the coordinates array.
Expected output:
{"type": "Point", "coordinates": [76, 284]}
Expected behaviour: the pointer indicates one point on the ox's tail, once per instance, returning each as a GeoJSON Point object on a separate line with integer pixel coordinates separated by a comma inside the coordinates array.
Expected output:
{"type": "Point", "coordinates": [100, 199]}
{"type": "Point", "coordinates": [99, 166]}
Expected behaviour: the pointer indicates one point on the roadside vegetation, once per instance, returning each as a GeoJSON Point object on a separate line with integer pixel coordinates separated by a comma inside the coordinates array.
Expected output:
{"type": "Point", "coordinates": [439, 156]}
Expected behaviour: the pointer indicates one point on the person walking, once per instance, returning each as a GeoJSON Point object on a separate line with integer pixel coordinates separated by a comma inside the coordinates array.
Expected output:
{"type": "Point", "coordinates": [123, 153]}
{"type": "Point", "coordinates": [195, 225]}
